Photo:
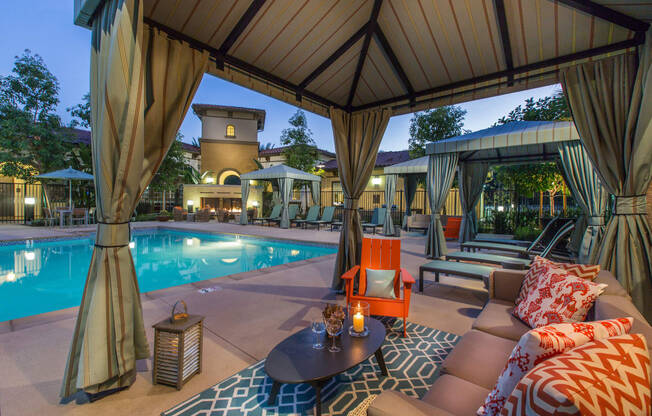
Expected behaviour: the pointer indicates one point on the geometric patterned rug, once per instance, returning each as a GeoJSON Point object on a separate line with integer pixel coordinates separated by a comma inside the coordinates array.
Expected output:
{"type": "Point", "coordinates": [412, 365]}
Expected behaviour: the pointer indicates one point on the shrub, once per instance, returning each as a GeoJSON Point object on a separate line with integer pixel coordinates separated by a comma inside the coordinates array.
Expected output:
{"type": "Point", "coordinates": [527, 233]}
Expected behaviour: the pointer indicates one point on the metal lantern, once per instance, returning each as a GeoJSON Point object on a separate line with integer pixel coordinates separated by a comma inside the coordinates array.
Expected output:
{"type": "Point", "coordinates": [177, 348]}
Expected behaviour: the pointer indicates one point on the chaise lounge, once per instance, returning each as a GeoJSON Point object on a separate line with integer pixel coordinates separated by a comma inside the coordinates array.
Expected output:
{"type": "Point", "coordinates": [470, 371]}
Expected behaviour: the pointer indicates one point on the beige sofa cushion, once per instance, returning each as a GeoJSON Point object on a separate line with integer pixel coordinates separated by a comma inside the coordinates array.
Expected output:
{"type": "Point", "coordinates": [455, 395]}
{"type": "Point", "coordinates": [394, 403]}
{"type": "Point", "coordinates": [613, 286]}
{"type": "Point", "coordinates": [479, 357]}
{"type": "Point", "coordinates": [609, 307]}
{"type": "Point", "coordinates": [496, 318]}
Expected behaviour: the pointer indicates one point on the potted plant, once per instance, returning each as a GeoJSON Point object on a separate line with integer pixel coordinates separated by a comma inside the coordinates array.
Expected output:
{"type": "Point", "coordinates": [163, 216]}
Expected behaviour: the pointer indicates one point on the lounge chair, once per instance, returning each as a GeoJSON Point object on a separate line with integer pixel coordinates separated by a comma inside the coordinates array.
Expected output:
{"type": "Point", "coordinates": [203, 215]}
{"type": "Point", "coordinates": [481, 271]}
{"type": "Point", "coordinates": [79, 216]}
{"type": "Point", "coordinates": [312, 215]}
{"type": "Point", "coordinates": [535, 247]}
{"type": "Point", "coordinates": [292, 214]}
{"type": "Point", "coordinates": [418, 222]}
{"type": "Point", "coordinates": [326, 218]}
{"type": "Point", "coordinates": [377, 220]}
{"type": "Point", "coordinates": [276, 212]}
{"type": "Point", "coordinates": [179, 214]}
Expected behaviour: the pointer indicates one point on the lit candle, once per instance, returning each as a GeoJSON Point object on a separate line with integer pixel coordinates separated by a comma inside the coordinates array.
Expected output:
{"type": "Point", "coordinates": [358, 322]}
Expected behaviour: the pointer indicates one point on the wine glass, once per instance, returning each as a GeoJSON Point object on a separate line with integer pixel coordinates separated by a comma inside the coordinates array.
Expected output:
{"type": "Point", "coordinates": [333, 327]}
{"type": "Point", "coordinates": [318, 329]}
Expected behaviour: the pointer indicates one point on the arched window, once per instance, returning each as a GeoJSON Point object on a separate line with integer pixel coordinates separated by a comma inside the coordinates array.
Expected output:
{"type": "Point", "coordinates": [232, 180]}
{"type": "Point", "coordinates": [230, 130]}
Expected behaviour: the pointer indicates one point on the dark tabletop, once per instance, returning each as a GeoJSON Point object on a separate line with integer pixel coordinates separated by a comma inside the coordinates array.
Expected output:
{"type": "Point", "coordinates": [295, 361]}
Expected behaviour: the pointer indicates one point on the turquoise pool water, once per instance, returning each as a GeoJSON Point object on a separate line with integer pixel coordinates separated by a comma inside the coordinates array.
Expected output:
{"type": "Point", "coordinates": [38, 277]}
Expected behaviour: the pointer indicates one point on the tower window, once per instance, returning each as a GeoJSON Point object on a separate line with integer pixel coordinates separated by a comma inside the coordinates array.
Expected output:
{"type": "Point", "coordinates": [230, 130]}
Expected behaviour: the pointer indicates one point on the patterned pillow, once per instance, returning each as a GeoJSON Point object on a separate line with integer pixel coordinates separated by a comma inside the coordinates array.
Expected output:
{"type": "Point", "coordinates": [584, 271]}
{"type": "Point", "coordinates": [540, 344]}
{"type": "Point", "coordinates": [557, 298]}
{"type": "Point", "coordinates": [603, 377]}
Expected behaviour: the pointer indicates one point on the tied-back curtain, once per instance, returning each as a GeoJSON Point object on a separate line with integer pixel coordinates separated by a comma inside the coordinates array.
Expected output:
{"type": "Point", "coordinates": [410, 187]}
{"type": "Point", "coordinates": [611, 103]}
{"type": "Point", "coordinates": [141, 86]}
{"type": "Point", "coordinates": [589, 194]}
{"type": "Point", "coordinates": [244, 185]}
{"type": "Point", "coordinates": [357, 139]}
{"type": "Point", "coordinates": [285, 189]}
{"type": "Point", "coordinates": [316, 191]}
{"type": "Point", "coordinates": [441, 172]}
{"type": "Point", "coordinates": [390, 193]}
{"type": "Point", "coordinates": [471, 177]}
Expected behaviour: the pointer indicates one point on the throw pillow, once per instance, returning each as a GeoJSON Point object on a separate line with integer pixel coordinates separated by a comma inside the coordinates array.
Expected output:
{"type": "Point", "coordinates": [584, 271]}
{"type": "Point", "coordinates": [604, 377]}
{"type": "Point", "coordinates": [537, 345]}
{"type": "Point", "coordinates": [557, 298]}
{"type": "Point", "coordinates": [380, 283]}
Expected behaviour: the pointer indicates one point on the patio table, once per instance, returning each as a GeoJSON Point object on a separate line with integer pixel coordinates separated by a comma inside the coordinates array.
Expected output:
{"type": "Point", "coordinates": [294, 360]}
{"type": "Point", "coordinates": [62, 216]}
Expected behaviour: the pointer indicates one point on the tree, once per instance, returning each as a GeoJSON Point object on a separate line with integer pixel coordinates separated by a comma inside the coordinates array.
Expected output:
{"type": "Point", "coordinates": [550, 108]}
{"type": "Point", "coordinates": [81, 112]}
{"type": "Point", "coordinates": [301, 151]}
{"type": "Point", "coordinates": [32, 137]}
{"type": "Point", "coordinates": [433, 125]}
{"type": "Point", "coordinates": [172, 171]}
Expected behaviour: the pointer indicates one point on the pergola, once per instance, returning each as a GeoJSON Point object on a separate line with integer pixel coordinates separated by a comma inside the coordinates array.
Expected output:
{"type": "Point", "coordinates": [358, 63]}
{"type": "Point", "coordinates": [284, 176]}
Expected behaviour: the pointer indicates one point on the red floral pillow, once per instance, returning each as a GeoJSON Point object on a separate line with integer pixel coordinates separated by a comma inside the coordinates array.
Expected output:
{"type": "Point", "coordinates": [557, 298]}
{"type": "Point", "coordinates": [584, 271]}
{"type": "Point", "coordinates": [607, 377]}
{"type": "Point", "coordinates": [538, 345]}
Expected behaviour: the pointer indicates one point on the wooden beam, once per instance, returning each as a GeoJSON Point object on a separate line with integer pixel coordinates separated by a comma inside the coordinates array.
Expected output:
{"type": "Point", "coordinates": [237, 63]}
{"type": "Point", "coordinates": [334, 56]}
{"type": "Point", "coordinates": [618, 46]}
{"type": "Point", "coordinates": [607, 14]}
{"type": "Point", "coordinates": [371, 27]}
{"type": "Point", "coordinates": [240, 27]}
{"type": "Point", "coordinates": [393, 60]}
{"type": "Point", "coordinates": [501, 17]}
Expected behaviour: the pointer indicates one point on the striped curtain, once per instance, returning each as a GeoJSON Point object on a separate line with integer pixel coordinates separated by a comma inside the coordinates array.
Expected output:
{"type": "Point", "coordinates": [439, 179]}
{"type": "Point", "coordinates": [142, 84]}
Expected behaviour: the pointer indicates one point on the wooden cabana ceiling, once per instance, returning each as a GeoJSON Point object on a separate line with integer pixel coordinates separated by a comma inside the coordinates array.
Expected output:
{"type": "Point", "coordinates": [408, 54]}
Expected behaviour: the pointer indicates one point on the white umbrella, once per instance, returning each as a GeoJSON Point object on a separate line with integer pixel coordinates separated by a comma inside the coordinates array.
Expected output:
{"type": "Point", "coordinates": [70, 174]}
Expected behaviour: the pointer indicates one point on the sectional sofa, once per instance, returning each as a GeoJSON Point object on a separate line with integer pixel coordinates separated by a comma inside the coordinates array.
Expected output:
{"type": "Point", "coordinates": [470, 371]}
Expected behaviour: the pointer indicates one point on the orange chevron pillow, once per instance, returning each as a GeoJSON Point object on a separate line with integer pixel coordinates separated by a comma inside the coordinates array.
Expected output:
{"type": "Point", "coordinates": [583, 271]}
{"type": "Point", "coordinates": [605, 377]}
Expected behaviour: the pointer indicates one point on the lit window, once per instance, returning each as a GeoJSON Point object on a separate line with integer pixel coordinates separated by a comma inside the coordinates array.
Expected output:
{"type": "Point", "coordinates": [230, 130]}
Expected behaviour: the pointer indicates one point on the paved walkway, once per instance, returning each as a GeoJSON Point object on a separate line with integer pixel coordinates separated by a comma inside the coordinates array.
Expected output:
{"type": "Point", "coordinates": [246, 315]}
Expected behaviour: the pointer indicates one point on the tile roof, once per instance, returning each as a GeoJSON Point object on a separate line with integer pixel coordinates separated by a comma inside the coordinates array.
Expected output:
{"type": "Point", "coordinates": [199, 109]}
{"type": "Point", "coordinates": [278, 150]}
{"type": "Point", "coordinates": [81, 136]}
{"type": "Point", "coordinates": [382, 159]}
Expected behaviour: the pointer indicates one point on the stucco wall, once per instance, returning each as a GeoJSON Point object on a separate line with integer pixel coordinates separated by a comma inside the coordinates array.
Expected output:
{"type": "Point", "coordinates": [218, 155]}
{"type": "Point", "coordinates": [215, 128]}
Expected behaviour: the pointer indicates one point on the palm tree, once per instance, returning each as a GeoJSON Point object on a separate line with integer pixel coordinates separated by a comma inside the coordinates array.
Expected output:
{"type": "Point", "coordinates": [266, 146]}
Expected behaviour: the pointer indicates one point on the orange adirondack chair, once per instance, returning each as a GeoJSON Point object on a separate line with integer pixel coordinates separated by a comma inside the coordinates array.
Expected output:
{"type": "Point", "coordinates": [383, 254]}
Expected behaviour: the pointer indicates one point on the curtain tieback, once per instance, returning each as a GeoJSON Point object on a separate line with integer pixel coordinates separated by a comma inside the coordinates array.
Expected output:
{"type": "Point", "coordinates": [435, 217]}
{"type": "Point", "coordinates": [595, 221]}
{"type": "Point", "coordinates": [630, 205]}
{"type": "Point", "coordinates": [113, 235]}
{"type": "Point", "coordinates": [351, 204]}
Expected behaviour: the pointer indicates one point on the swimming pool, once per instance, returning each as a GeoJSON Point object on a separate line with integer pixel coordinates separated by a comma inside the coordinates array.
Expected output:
{"type": "Point", "coordinates": [43, 276]}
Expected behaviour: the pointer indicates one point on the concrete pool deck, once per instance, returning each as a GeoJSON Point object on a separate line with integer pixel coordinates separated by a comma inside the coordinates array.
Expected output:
{"type": "Point", "coordinates": [246, 315]}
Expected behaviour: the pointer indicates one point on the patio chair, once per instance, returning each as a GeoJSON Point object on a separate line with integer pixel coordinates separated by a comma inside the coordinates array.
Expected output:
{"type": "Point", "coordinates": [276, 212]}
{"type": "Point", "coordinates": [381, 254]}
{"type": "Point", "coordinates": [377, 220]}
{"type": "Point", "coordinates": [48, 218]}
{"type": "Point", "coordinates": [481, 271]}
{"type": "Point", "coordinates": [326, 218]}
{"type": "Point", "coordinates": [179, 214]}
{"type": "Point", "coordinates": [418, 222]}
{"type": "Point", "coordinates": [312, 215]}
{"type": "Point", "coordinates": [547, 234]}
{"type": "Point", "coordinates": [292, 214]}
{"type": "Point", "coordinates": [203, 215]}
{"type": "Point", "coordinates": [78, 216]}
{"type": "Point", "coordinates": [452, 228]}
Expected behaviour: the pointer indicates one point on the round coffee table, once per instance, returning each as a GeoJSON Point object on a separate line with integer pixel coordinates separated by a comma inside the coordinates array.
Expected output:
{"type": "Point", "coordinates": [294, 360]}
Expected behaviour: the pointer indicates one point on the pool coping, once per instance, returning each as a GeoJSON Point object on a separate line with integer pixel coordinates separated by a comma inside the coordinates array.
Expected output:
{"type": "Point", "coordinates": [26, 322]}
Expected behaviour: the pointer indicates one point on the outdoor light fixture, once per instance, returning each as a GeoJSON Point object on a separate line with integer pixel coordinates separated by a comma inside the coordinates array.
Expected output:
{"type": "Point", "coordinates": [190, 205]}
{"type": "Point", "coordinates": [254, 204]}
{"type": "Point", "coordinates": [30, 201]}
{"type": "Point", "coordinates": [210, 179]}
{"type": "Point", "coordinates": [375, 181]}
{"type": "Point", "coordinates": [501, 208]}
{"type": "Point", "coordinates": [28, 209]}
{"type": "Point", "coordinates": [29, 255]}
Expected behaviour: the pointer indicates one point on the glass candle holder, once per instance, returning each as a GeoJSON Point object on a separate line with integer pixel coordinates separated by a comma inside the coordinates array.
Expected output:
{"type": "Point", "coordinates": [358, 314]}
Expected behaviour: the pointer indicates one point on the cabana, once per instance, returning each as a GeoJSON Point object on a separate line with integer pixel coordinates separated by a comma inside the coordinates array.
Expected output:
{"type": "Point", "coordinates": [470, 155]}
{"type": "Point", "coordinates": [284, 176]}
{"type": "Point", "coordinates": [357, 63]}
{"type": "Point", "coordinates": [411, 171]}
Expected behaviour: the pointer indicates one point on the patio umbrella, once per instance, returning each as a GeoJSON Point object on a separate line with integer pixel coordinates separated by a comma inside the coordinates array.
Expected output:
{"type": "Point", "coordinates": [70, 174]}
